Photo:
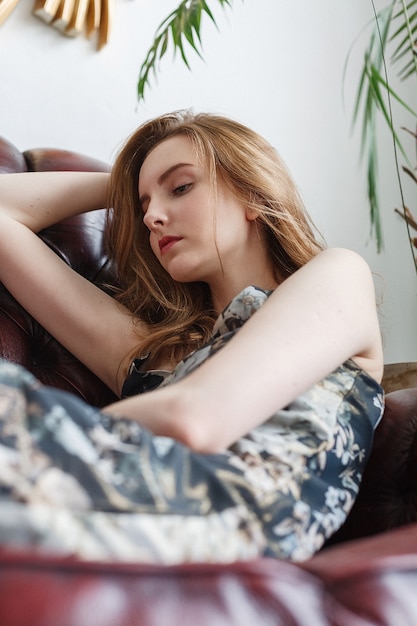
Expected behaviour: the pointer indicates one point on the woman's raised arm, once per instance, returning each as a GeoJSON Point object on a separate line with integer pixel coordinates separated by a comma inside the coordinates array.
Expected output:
{"type": "Point", "coordinates": [39, 199]}
{"type": "Point", "coordinates": [87, 321]}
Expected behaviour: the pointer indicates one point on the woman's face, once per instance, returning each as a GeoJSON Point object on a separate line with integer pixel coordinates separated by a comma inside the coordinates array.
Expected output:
{"type": "Point", "coordinates": [189, 229]}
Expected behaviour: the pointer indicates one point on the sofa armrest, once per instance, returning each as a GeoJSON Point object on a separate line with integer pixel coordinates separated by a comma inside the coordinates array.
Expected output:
{"type": "Point", "coordinates": [368, 582]}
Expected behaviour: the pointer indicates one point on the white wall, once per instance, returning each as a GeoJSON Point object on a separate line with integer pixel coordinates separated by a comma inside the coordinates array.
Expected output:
{"type": "Point", "coordinates": [275, 65]}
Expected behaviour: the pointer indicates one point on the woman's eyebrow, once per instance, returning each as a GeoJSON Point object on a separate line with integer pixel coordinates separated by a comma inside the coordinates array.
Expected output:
{"type": "Point", "coordinates": [171, 169]}
{"type": "Point", "coordinates": [165, 175]}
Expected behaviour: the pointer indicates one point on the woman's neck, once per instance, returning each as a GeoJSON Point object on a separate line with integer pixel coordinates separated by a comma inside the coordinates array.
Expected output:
{"type": "Point", "coordinates": [244, 266]}
{"type": "Point", "coordinates": [223, 291]}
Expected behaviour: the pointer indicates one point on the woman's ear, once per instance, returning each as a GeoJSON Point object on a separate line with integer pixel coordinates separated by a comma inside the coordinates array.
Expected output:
{"type": "Point", "coordinates": [251, 214]}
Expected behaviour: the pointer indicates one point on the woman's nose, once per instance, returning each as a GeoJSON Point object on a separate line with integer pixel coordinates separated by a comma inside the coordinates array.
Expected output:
{"type": "Point", "coordinates": [155, 216]}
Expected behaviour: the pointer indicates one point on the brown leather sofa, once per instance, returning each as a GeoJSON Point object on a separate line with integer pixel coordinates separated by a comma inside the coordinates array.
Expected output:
{"type": "Point", "coordinates": [366, 575]}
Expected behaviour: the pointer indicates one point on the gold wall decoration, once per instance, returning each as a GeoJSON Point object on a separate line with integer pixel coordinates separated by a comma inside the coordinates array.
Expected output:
{"type": "Point", "coordinates": [6, 7]}
{"type": "Point", "coordinates": [71, 17]}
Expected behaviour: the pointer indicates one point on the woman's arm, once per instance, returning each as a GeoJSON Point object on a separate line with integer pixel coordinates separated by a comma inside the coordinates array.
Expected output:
{"type": "Point", "coordinates": [39, 199]}
{"type": "Point", "coordinates": [88, 322]}
{"type": "Point", "coordinates": [318, 318]}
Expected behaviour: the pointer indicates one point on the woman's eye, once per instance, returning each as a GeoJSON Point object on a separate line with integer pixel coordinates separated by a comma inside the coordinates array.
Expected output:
{"type": "Point", "coordinates": [181, 189]}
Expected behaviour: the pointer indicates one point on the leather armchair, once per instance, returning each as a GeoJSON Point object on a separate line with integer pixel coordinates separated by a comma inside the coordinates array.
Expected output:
{"type": "Point", "coordinates": [366, 574]}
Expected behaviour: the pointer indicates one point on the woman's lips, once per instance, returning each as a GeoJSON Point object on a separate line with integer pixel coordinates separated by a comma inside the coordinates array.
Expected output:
{"type": "Point", "coordinates": [166, 243]}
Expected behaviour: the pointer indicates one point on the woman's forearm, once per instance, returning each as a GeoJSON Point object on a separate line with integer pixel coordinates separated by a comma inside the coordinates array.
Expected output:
{"type": "Point", "coordinates": [39, 199]}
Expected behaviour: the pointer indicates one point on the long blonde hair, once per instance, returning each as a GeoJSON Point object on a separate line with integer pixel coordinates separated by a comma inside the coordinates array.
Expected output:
{"type": "Point", "coordinates": [180, 315]}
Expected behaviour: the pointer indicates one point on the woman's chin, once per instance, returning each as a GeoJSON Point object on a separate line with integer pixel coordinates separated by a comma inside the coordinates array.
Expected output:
{"type": "Point", "coordinates": [185, 276]}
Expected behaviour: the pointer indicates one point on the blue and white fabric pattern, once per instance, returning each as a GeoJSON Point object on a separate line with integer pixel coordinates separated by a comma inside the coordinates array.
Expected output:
{"type": "Point", "coordinates": [75, 481]}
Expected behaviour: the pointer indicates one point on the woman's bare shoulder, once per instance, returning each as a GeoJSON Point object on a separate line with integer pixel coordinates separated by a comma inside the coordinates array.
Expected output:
{"type": "Point", "coordinates": [354, 287]}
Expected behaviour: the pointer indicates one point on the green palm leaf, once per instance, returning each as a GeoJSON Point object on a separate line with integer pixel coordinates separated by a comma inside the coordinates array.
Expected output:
{"type": "Point", "coordinates": [182, 29]}
{"type": "Point", "coordinates": [374, 94]}
{"type": "Point", "coordinates": [406, 22]}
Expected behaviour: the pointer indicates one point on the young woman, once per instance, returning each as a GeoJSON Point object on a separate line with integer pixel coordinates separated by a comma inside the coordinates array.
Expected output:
{"type": "Point", "coordinates": [258, 348]}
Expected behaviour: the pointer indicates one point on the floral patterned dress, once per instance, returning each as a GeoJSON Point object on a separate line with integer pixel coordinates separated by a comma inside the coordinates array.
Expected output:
{"type": "Point", "coordinates": [76, 481]}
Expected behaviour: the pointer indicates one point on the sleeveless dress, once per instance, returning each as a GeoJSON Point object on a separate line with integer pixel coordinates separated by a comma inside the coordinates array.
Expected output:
{"type": "Point", "coordinates": [78, 482]}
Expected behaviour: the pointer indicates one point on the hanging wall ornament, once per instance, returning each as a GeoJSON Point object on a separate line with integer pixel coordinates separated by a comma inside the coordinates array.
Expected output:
{"type": "Point", "coordinates": [6, 7]}
{"type": "Point", "coordinates": [78, 17]}
{"type": "Point", "coordinates": [71, 17]}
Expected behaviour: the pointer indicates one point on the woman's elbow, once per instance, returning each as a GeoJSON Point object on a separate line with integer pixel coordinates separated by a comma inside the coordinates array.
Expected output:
{"type": "Point", "coordinates": [198, 436]}
{"type": "Point", "coordinates": [187, 419]}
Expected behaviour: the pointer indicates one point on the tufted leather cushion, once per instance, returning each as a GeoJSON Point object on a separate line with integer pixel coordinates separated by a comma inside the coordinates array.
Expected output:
{"type": "Point", "coordinates": [11, 159]}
